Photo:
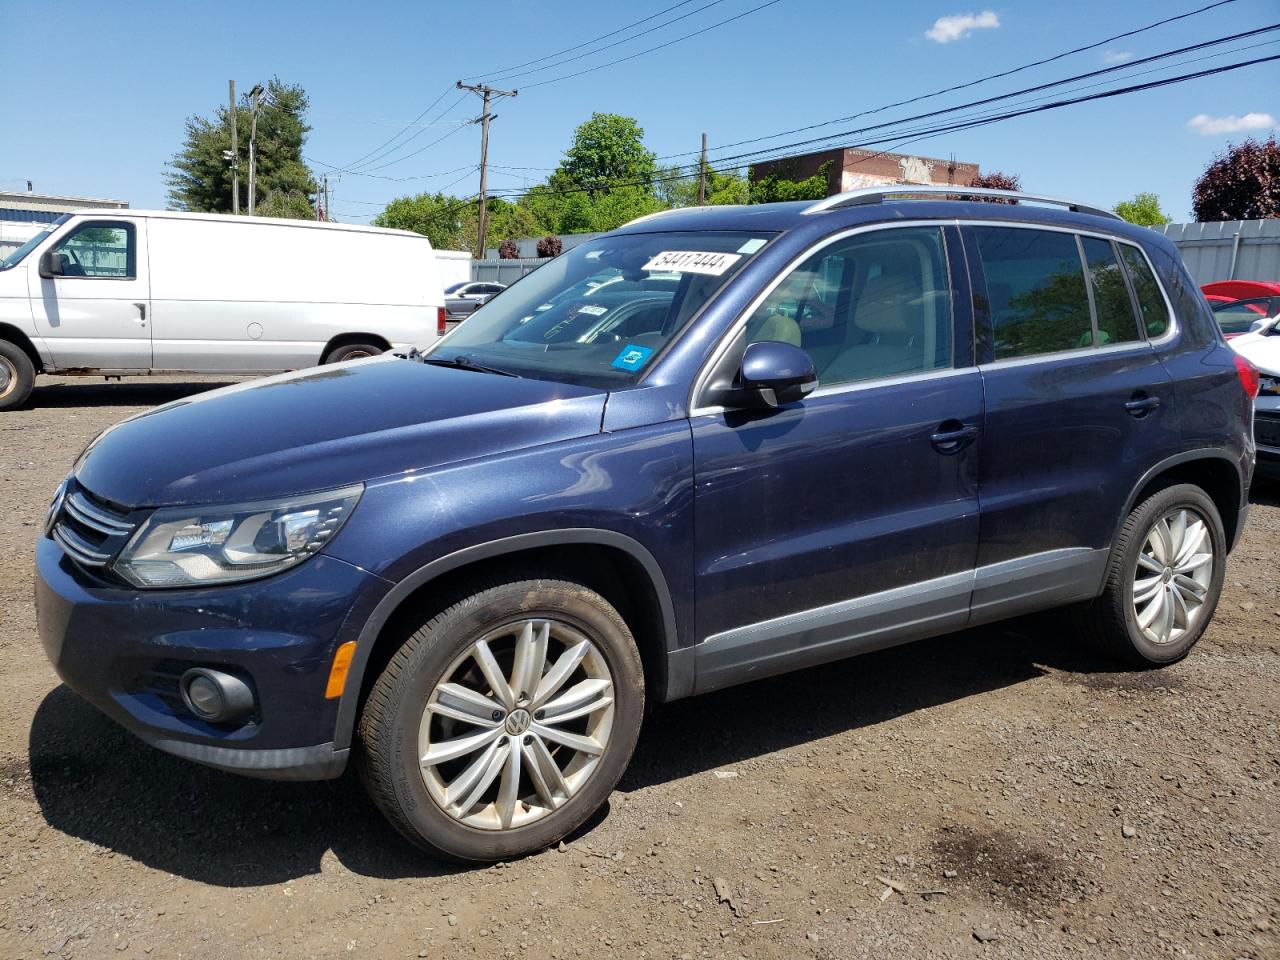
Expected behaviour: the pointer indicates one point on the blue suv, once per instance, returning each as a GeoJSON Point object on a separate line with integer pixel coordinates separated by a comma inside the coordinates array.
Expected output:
{"type": "Point", "coordinates": [711, 446]}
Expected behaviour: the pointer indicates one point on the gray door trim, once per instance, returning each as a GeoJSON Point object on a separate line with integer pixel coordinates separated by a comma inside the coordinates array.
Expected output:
{"type": "Point", "coordinates": [899, 615]}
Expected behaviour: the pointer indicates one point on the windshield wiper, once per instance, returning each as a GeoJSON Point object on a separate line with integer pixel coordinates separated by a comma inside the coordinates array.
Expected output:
{"type": "Point", "coordinates": [463, 362]}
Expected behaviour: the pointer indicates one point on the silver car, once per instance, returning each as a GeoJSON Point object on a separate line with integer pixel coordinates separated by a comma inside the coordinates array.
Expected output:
{"type": "Point", "coordinates": [463, 299]}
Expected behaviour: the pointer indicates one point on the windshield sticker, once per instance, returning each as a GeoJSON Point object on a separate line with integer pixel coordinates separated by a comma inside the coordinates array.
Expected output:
{"type": "Point", "coordinates": [593, 309]}
{"type": "Point", "coordinates": [632, 357]}
{"type": "Point", "coordinates": [751, 246]}
{"type": "Point", "coordinates": [691, 261]}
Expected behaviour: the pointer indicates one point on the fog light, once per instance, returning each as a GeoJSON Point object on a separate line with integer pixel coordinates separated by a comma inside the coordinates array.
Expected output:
{"type": "Point", "coordinates": [215, 696]}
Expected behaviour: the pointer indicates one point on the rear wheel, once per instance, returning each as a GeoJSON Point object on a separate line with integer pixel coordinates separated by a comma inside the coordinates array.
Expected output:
{"type": "Point", "coordinates": [352, 351]}
{"type": "Point", "coordinates": [17, 375]}
{"type": "Point", "coordinates": [1163, 580]}
{"type": "Point", "coordinates": [504, 722]}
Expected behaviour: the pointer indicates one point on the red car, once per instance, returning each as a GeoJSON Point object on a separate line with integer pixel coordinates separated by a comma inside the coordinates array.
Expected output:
{"type": "Point", "coordinates": [1239, 304]}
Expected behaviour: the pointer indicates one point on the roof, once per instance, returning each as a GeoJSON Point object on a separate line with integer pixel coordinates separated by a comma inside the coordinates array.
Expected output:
{"type": "Point", "coordinates": [6, 195]}
{"type": "Point", "coordinates": [133, 213]}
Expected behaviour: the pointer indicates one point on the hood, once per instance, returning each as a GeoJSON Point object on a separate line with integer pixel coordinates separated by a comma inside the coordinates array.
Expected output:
{"type": "Point", "coordinates": [328, 427]}
{"type": "Point", "coordinates": [1262, 351]}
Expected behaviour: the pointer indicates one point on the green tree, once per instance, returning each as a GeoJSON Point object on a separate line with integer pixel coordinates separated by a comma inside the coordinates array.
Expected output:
{"type": "Point", "coordinates": [678, 187]}
{"type": "Point", "coordinates": [1143, 209]}
{"type": "Point", "coordinates": [444, 220]}
{"type": "Point", "coordinates": [199, 176]}
{"type": "Point", "coordinates": [778, 187]}
{"type": "Point", "coordinates": [607, 150]}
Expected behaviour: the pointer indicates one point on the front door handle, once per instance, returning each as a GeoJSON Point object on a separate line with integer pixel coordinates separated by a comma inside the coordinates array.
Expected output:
{"type": "Point", "coordinates": [142, 313]}
{"type": "Point", "coordinates": [1141, 405]}
{"type": "Point", "coordinates": [953, 436]}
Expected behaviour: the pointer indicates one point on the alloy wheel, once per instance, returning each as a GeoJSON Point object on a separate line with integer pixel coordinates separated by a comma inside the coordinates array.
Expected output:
{"type": "Point", "coordinates": [1174, 573]}
{"type": "Point", "coordinates": [8, 377]}
{"type": "Point", "coordinates": [516, 725]}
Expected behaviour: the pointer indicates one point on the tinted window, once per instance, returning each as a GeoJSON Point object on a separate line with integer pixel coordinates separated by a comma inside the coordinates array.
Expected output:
{"type": "Point", "coordinates": [1155, 315]}
{"type": "Point", "coordinates": [874, 305]}
{"type": "Point", "coordinates": [1116, 322]}
{"type": "Point", "coordinates": [98, 250]}
{"type": "Point", "coordinates": [1036, 288]}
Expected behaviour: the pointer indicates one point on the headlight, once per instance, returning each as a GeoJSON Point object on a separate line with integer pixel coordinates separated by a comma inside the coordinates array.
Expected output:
{"type": "Point", "coordinates": [1268, 386]}
{"type": "Point", "coordinates": [191, 546]}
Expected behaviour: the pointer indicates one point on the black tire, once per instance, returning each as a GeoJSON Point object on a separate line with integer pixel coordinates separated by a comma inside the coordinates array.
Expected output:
{"type": "Point", "coordinates": [352, 351]}
{"type": "Point", "coordinates": [390, 720]}
{"type": "Point", "coordinates": [1111, 620]}
{"type": "Point", "coordinates": [17, 375]}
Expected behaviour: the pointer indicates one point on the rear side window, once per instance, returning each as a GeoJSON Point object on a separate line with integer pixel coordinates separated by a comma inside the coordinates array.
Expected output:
{"type": "Point", "coordinates": [1036, 289]}
{"type": "Point", "coordinates": [1116, 322]}
{"type": "Point", "coordinates": [1155, 314]}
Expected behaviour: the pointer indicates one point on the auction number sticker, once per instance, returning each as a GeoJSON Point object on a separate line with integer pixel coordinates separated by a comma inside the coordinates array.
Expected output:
{"type": "Point", "coordinates": [692, 261]}
{"type": "Point", "coordinates": [632, 357]}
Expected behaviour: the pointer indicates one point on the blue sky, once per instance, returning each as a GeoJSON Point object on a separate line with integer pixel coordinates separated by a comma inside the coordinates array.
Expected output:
{"type": "Point", "coordinates": [95, 94]}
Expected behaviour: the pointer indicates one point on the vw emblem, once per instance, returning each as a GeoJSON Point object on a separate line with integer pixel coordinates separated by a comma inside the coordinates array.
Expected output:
{"type": "Point", "coordinates": [517, 721]}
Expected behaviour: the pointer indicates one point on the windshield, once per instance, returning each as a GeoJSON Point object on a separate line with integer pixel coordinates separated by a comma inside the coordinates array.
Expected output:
{"type": "Point", "coordinates": [16, 256]}
{"type": "Point", "coordinates": [599, 314]}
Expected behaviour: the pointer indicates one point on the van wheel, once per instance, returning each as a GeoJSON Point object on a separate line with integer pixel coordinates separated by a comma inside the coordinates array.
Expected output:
{"type": "Point", "coordinates": [352, 351]}
{"type": "Point", "coordinates": [17, 376]}
{"type": "Point", "coordinates": [503, 722]}
{"type": "Point", "coordinates": [1163, 580]}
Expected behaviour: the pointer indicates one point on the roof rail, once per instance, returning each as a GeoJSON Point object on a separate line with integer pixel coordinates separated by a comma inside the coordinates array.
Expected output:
{"type": "Point", "coordinates": [907, 191]}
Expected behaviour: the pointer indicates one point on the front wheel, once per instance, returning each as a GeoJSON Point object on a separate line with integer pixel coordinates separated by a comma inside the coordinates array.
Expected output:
{"type": "Point", "coordinates": [1163, 580]}
{"type": "Point", "coordinates": [505, 721]}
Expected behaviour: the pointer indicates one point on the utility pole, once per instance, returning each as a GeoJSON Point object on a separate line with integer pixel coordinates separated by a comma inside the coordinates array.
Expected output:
{"type": "Point", "coordinates": [326, 216]}
{"type": "Point", "coordinates": [486, 93]}
{"type": "Point", "coordinates": [235, 160]}
{"type": "Point", "coordinates": [253, 138]}
{"type": "Point", "coordinates": [702, 173]}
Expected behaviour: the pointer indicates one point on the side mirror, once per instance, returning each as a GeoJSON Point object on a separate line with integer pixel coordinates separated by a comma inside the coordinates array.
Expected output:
{"type": "Point", "coordinates": [772, 373]}
{"type": "Point", "coordinates": [52, 264]}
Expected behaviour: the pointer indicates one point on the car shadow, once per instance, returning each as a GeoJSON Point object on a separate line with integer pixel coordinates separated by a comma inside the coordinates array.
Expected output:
{"type": "Point", "coordinates": [125, 393]}
{"type": "Point", "coordinates": [96, 782]}
{"type": "Point", "coordinates": [1265, 491]}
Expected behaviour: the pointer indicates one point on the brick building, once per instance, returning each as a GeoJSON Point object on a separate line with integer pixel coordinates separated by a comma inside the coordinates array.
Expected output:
{"type": "Point", "coordinates": [850, 169]}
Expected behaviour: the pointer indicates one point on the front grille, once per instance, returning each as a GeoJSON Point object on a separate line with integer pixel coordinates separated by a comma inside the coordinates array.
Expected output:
{"type": "Point", "coordinates": [88, 529]}
{"type": "Point", "coordinates": [1266, 430]}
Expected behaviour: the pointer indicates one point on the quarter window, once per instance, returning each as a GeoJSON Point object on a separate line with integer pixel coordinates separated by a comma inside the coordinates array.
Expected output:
{"type": "Point", "coordinates": [1036, 290]}
{"type": "Point", "coordinates": [1116, 322]}
{"type": "Point", "coordinates": [873, 305]}
{"type": "Point", "coordinates": [1155, 314]}
{"type": "Point", "coordinates": [99, 250]}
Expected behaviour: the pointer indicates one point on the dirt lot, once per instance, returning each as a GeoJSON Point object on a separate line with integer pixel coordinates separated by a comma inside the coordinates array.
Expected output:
{"type": "Point", "coordinates": [1018, 798]}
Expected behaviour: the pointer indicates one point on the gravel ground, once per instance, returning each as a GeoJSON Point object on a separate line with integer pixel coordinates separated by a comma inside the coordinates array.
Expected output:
{"type": "Point", "coordinates": [995, 793]}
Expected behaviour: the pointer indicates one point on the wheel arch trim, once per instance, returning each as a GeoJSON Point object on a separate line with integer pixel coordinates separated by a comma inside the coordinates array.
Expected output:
{"type": "Point", "coordinates": [493, 549]}
{"type": "Point", "coordinates": [1178, 460]}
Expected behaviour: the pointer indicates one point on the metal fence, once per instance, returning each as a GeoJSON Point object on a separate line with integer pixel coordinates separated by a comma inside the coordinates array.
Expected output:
{"type": "Point", "coordinates": [1228, 249]}
{"type": "Point", "coordinates": [504, 271]}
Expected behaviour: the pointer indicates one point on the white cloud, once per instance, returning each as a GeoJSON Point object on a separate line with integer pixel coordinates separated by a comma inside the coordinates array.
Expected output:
{"type": "Point", "coordinates": [1208, 126]}
{"type": "Point", "coordinates": [960, 25]}
{"type": "Point", "coordinates": [1116, 56]}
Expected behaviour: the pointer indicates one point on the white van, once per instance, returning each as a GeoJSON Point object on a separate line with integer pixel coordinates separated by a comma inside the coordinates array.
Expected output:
{"type": "Point", "coordinates": [136, 292]}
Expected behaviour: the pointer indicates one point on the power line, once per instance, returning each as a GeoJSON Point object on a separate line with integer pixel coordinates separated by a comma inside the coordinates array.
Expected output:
{"type": "Point", "coordinates": [970, 83]}
{"type": "Point", "coordinates": [609, 46]}
{"type": "Point", "coordinates": [687, 36]}
{"type": "Point", "coordinates": [401, 133]}
{"type": "Point", "coordinates": [400, 146]}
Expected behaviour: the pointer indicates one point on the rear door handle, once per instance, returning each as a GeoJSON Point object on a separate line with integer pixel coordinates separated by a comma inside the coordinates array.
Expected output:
{"type": "Point", "coordinates": [953, 436]}
{"type": "Point", "coordinates": [142, 313]}
{"type": "Point", "coordinates": [1141, 405]}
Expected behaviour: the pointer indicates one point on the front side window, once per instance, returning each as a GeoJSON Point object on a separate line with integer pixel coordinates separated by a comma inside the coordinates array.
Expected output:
{"type": "Point", "coordinates": [873, 305]}
{"type": "Point", "coordinates": [1036, 289]}
{"type": "Point", "coordinates": [1155, 313]}
{"type": "Point", "coordinates": [1116, 322]}
{"type": "Point", "coordinates": [98, 250]}
{"type": "Point", "coordinates": [599, 314]}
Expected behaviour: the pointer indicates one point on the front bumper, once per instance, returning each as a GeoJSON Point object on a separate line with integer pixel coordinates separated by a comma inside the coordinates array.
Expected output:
{"type": "Point", "coordinates": [123, 649]}
{"type": "Point", "coordinates": [1266, 432]}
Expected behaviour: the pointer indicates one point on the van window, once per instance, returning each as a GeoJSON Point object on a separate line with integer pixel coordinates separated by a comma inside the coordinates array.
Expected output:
{"type": "Point", "coordinates": [99, 250]}
{"type": "Point", "coordinates": [1116, 322]}
{"type": "Point", "coordinates": [1036, 289]}
{"type": "Point", "coordinates": [1155, 315]}
{"type": "Point", "coordinates": [874, 305]}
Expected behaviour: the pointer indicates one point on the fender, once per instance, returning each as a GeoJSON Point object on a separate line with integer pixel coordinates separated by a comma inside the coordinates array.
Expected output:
{"type": "Point", "coordinates": [1188, 456]}
{"type": "Point", "coordinates": [679, 667]}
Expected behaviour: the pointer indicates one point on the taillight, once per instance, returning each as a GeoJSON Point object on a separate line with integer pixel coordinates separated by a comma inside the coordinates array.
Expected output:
{"type": "Point", "coordinates": [1248, 376]}
{"type": "Point", "coordinates": [440, 325]}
